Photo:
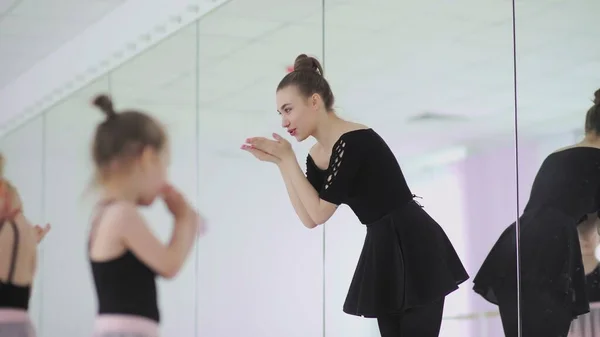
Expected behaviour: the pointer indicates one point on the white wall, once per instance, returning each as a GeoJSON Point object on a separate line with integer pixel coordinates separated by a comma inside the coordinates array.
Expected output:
{"type": "Point", "coordinates": [67, 288]}
{"type": "Point", "coordinates": [260, 268]}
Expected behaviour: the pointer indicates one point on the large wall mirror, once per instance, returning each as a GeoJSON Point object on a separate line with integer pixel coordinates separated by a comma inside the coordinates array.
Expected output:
{"type": "Point", "coordinates": [557, 92]}
{"type": "Point", "coordinates": [261, 271]}
{"type": "Point", "coordinates": [440, 91]}
{"type": "Point", "coordinates": [429, 86]}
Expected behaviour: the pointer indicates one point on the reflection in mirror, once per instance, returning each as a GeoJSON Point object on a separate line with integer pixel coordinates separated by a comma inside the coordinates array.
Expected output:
{"type": "Point", "coordinates": [117, 168]}
{"type": "Point", "coordinates": [448, 119]}
{"type": "Point", "coordinates": [22, 205]}
{"type": "Point", "coordinates": [559, 160]}
{"type": "Point", "coordinates": [67, 303]}
{"type": "Point", "coordinates": [161, 82]}
{"type": "Point", "coordinates": [260, 268]}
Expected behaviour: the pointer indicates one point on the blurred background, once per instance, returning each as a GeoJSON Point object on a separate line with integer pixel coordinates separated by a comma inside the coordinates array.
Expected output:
{"type": "Point", "coordinates": [470, 95]}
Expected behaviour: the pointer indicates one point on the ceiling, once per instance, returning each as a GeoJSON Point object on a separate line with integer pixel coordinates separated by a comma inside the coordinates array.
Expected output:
{"type": "Point", "coordinates": [386, 60]}
{"type": "Point", "coordinates": [32, 29]}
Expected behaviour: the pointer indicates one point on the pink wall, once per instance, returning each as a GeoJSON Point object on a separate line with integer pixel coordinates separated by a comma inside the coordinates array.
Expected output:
{"type": "Point", "coordinates": [490, 205]}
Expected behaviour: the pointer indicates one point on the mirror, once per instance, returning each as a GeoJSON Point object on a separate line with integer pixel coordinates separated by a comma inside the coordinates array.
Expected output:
{"type": "Point", "coordinates": [162, 82]}
{"type": "Point", "coordinates": [442, 97]}
{"type": "Point", "coordinates": [23, 153]}
{"type": "Point", "coordinates": [261, 270]}
{"type": "Point", "coordinates": [558, 167]}
{"type": "Point", "coordinates": [67, 299]}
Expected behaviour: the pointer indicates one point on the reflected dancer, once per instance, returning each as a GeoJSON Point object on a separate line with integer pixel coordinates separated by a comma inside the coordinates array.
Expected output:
{"type": "Point", "coordinates": [18, 261]}
{"type": "Point", "coordinates": [553, 282]}
{"type": "Point", "coordinates": [408, 265]}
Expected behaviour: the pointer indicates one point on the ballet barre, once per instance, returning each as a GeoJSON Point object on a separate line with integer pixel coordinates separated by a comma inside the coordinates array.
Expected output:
{"type": "Point", "coordinates": [476, 315]}
{"type": "Point", "coordinates": [587, 325]}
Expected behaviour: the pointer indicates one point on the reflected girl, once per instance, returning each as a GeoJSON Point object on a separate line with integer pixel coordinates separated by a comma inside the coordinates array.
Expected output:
{"type": "Point", "coordinates": [131, 157]}
{"type": "Point", "coordinates": [553, 282]}
{"type": "Point", "coordinates": [18, 256]}
{"type": "Point", "coordinates": [407, 265]}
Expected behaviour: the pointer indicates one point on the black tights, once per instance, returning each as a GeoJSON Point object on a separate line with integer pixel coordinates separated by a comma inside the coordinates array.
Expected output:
{"type": "Point", "coordinates": [541, 314]}
{"type": "Point", "coordinates": [415, 322]}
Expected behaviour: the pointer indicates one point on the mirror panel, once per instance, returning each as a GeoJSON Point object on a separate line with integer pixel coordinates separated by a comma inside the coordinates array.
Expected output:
{"type": "Point", "coordinates": [68, 301]}
{"type": "Point", "coordinates": [22, 150]}
{"type": "Point", "coordinates": [557, 62]}
{"type": "Point", "coordinates": [440, 92]}
{"type": "Point", "coordinates": [162, 81]}
{"type": "Point", "coordinates": [261, 271]}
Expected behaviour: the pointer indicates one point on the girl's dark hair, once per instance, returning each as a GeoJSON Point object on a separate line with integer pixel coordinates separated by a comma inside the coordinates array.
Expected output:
{"type": "Point", "coordinates": [592, 118]}
{"type": "Point", "coordinates": [123, 135]}
{"type": "Point", "coordinates": [307, 76]}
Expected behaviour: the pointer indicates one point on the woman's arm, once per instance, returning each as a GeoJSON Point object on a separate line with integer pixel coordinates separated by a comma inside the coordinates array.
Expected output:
{"type": "Point", "coordinates": [317, 209]}
{"type": "Point", "coordinates": [344, 165]}
{"type": "Point", "coordinates": [306, 219]}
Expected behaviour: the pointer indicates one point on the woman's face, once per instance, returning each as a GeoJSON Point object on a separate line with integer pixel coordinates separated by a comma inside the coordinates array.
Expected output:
{"type": "Point", "coordinates": [298, 114]}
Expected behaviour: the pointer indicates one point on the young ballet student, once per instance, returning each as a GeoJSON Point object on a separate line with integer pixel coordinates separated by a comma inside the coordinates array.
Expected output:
{"type": "Point", "coordinates": [408, 265]}
{"type": "Point", "coordinates": [131, 156]}
{"type": "Point", "coordinates": [18, 254]}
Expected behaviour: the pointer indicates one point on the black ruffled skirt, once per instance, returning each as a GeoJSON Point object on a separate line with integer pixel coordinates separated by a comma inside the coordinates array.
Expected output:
{"type": "Point", "coordinates": [550, 261]}
{"type": "Point", "coordinates": [407, 261]}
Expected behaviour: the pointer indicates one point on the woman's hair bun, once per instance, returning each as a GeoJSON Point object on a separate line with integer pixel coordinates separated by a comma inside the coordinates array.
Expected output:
{"type": "Point", "coordinates": [104, 103]}
{"type": "Point", "coordinates": [597, 97]}
{"type": "Point", "coordinates": [307, 63]}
